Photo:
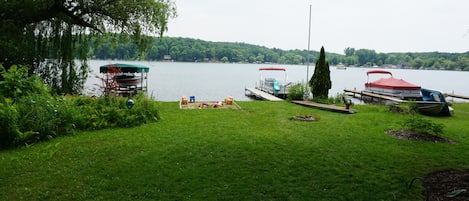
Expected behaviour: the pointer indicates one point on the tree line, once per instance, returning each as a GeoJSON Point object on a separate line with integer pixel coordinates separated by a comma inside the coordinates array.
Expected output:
{"type": "Point", "coordinates": [179, 49]}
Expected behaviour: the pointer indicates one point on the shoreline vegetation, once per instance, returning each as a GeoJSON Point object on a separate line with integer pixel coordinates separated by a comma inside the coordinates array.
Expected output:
{"type": "Point", "coordinates": [178, 49]}
{"type": "Point", "coordinates": [254, 153]}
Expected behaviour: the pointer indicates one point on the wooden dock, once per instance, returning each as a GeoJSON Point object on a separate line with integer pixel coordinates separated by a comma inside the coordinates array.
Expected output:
{"type": "Point", "coordinates": [457, 96]}
{"type": "Point", "coordinates": [261, 95]}
{"type": "Point", "coordinates": [332, 108]}
{"type": "Point", "coordinates": [397, 100]}
{"type": "Point", "coordinates": [373, 95]}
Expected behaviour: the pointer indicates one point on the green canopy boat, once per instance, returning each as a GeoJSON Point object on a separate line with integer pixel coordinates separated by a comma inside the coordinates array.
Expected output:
{"type": "Point", "coordinates": [125, 68]}
{"type": "Point", "coordinates": [127, 79]}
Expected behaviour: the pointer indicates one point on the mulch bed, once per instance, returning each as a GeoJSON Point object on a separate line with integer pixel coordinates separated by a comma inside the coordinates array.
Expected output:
{"type": "Point", "coordinates": [446, 185]}
{"type": "Point", "coordinates": [413, 135]}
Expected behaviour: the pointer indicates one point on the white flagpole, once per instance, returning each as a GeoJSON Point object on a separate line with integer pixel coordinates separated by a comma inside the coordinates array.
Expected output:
{"type": "Point", "coordinates": [308, 54]}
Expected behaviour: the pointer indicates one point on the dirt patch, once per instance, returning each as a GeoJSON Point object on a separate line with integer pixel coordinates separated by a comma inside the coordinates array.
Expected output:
{"type": "Point", "coordinates": [451, 185]}
{"type": "Point", "coordinates": [447, 185]}
{"type": "Point", "coordinates": [305, 118]}
{"type": "Point", "coordinates": [418, 136]}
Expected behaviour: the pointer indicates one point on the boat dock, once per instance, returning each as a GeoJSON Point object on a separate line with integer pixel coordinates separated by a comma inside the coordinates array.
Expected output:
{"type": "Point", "coordinates": [260, 94]}
{"type": "Point", "coordinates": [373, 95]}
{"type": "Point", "coordinates": [457, 96]}
{"type": "Point", "coordinates": [332, 108]}
{"type": "Point", "coordinates": [397, 100]}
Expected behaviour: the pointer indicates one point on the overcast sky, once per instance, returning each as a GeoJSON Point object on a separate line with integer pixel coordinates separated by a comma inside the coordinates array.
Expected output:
{"type": "Point", "coordinates": [382, 25]}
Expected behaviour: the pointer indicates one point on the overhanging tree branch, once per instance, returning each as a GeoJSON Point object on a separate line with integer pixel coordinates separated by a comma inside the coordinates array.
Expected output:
{"type": "Point", "coordinates": [32, 30]}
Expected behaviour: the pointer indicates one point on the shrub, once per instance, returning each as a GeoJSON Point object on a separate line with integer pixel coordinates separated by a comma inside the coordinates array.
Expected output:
{"type": "Point", "coordinates": [16, 83]}
{"type": "Point", "coordinates": [107, 112]}
{"type": "Point", "coordinates": [417, 123]}
{"type": "Point", "coordinates": [296, 92]}
{"type": "Point", "coordinates": [28, 113]}
{"type": "Point", "coordinates": [44, 114]}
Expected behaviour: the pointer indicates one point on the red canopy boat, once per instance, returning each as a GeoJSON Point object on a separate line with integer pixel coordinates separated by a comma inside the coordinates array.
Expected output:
{"type": "Point", "coordinates": [392, 87]}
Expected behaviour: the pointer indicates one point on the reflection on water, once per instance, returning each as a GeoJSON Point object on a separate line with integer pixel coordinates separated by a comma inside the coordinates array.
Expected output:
{"type": "Point", "coordinates": [213, 81]}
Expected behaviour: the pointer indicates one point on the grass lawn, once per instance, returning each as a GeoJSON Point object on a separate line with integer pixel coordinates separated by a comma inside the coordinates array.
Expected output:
{"type": "Point", "coordinates": [256, 153]}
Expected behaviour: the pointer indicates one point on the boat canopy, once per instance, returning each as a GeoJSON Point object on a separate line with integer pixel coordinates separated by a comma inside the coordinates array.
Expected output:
{"type": "Point", "coordinates": [392, 83]}
{"type": "Point", "coordinates": [378, 72]}
{"type": "Point", "coordinates": [272, 68]}
{"type": "Point", "coordinates": [125, 68]}
{"type": "Point", "coordinates": [432, 95]}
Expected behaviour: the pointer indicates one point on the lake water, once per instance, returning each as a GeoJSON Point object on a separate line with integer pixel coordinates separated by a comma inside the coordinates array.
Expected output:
{"type": "Point", "coordinates": [169, 81]}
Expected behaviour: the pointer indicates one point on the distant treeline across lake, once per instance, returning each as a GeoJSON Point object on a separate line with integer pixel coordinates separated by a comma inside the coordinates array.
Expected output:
{"type": "Point", "coordinates": [121, 47]}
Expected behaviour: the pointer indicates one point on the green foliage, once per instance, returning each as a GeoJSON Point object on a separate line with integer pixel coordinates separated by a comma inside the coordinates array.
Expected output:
{"type": "Point", "coordinates": [365, 57]}
{"type": "Point", "coordinates": [417, 123]}
{"type": "Point", "coordinates": [338, 99]}
{"type": "Point", "coordinates": [15, 83]}
{"type": "Point", "coordinates": [108, 112]}
{"type": "Point", "coordinates": [42, 114]}
{"type": "Point", "coordinates": [8, 122]}
{"type": "Point", "coordinates": [48, 35]}
{"type": "Point", "coordinates": [28, 113]}
{"type": "Point", "coordinates": [38, 118]}
{"type": "Point", "coordinates": [296, 92]}
{"type": "Point", "coordinates": [190, 50]}
{"type": "Point", "coordinates": [320, 82]}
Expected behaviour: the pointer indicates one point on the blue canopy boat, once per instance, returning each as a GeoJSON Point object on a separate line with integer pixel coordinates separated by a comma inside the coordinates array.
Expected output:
{"type": "Point", "coordinates": [274, 86]}
{"type": "Point", "coordinates": [434, 103]}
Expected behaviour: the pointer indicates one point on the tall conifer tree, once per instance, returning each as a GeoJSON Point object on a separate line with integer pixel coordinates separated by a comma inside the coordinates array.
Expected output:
{"type": "Point", "coordinates": [320, 82]}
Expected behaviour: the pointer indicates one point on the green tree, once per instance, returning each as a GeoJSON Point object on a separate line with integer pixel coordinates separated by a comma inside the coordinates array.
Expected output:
{"type": "Point", "coordinates": [366, 56]}
{"type": "Point", "coordinates": [224, 59]}
{"type": "Point", "coordinates": [391, 59]}
{"type": "Point", "coordinates": [320, 82]}
{"type": "Point", "coordinates": [416, 63]}
{"type": "Point", "coordinates": [349, 51]}
{"type": "Point", "coordinates": [33, 30]}
{"type": "Point", "coordinates": [260, 58]}
{"type": "Point", "coordinates": [351, 60]}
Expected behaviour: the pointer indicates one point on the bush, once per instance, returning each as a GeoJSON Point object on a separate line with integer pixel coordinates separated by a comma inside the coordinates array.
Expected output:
{"type": "Point", "coordinates": [417, 123]}
{"type": "Point", "coordinates": [28, 113]}
{"type": "Point", "coordinates": [25, 107]}
{"type": "Point", "coordinates": [16, 83]}
{"type": "Point", "coordinates": [296, 92]}
{"type": "Point", "coordinates": [44, 114]}
{"type": "Point", "coordinates": [36, 118]}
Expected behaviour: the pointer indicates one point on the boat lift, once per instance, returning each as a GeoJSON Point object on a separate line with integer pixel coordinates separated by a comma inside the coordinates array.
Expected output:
{"type": "Point", "coordinates": [125, 79]}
